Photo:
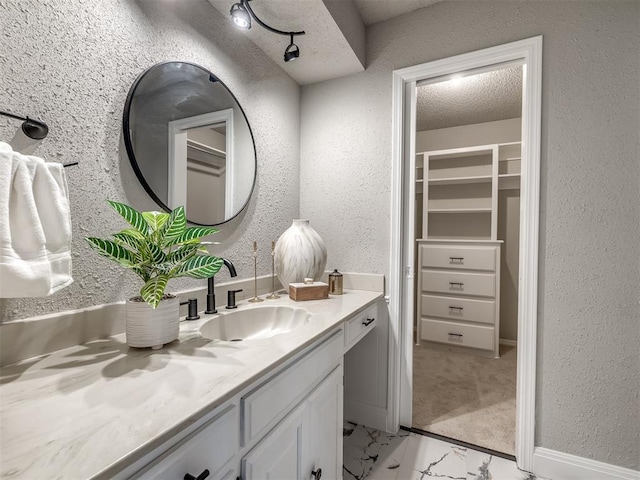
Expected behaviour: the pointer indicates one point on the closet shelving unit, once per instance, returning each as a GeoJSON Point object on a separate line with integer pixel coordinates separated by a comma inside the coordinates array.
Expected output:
{"type": "Point", "coordinates": [459, 252]}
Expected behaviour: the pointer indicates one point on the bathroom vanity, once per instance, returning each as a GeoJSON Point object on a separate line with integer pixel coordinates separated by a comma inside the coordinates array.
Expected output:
{"type": "Point", "coordinates": [262, 408]}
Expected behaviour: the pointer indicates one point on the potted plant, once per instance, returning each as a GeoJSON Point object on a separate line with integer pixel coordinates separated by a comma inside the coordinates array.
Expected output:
{"type": "Point", "coordinates": [157, 247]}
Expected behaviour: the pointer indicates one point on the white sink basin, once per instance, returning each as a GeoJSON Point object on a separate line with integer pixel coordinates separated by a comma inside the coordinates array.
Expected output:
{"type": "Point", "coordinates": [255, 323]}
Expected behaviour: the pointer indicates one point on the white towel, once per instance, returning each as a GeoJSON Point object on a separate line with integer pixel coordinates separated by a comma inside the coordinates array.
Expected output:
{"type": "Point", "coordinates": [35, 226]}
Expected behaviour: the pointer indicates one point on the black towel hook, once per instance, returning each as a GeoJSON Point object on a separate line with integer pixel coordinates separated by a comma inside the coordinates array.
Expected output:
{"type": "Point", "coordinates": [31, 127]}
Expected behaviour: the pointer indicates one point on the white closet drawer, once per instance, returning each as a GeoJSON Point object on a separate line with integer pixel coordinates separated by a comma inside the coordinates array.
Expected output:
{"type": "Point", "coordinates": [452, 333]}
{"type": "Point", "coordinates": [459, 283]}
{"type": "Point", "coordinates": [264, 406]}
{"type": "Point", "coordinates": [470, 310]}
{"type": "Point", "coordinates": [459, 257]}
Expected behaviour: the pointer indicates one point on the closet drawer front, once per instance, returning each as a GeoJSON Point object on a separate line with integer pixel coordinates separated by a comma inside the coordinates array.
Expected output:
{"type": "Point", "coordinates": [458, 283]}
{"type": "Point", "coordinates": [453, 333]}
{"type": "Point", "coordinates": [458, 257]}
{"type": "Point", "coordinates": [481, 311]}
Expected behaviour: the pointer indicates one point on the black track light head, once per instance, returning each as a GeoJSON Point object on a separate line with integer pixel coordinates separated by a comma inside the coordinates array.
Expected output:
{"type": "Point", "coordinates": [292, 52]}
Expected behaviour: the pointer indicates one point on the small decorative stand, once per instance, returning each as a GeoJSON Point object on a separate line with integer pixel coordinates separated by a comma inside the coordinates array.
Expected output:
{"type": "Point", "coordinates": [273, 294]}
{"type": "Point", "coordinates": [255, 275]}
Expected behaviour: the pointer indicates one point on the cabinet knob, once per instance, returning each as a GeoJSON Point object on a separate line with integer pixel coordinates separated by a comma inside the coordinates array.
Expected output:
{"type": "Point", "coordinates": [368, 321]}
{"type": "Point", "coordinates": [202, 476]}
{"type": "Point", "coordinates": [317, 474]}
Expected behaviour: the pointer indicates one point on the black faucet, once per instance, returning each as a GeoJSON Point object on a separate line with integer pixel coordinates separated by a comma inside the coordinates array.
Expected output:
{"type": "Point", "coordinates": [211, 296]}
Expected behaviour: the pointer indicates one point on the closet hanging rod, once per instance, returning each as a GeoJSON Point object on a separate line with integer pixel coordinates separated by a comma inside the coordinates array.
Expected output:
{"type": "Point", "coordinates": [32, 128]}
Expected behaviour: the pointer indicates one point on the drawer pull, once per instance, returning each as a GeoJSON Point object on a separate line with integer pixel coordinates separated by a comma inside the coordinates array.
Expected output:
{"type": "Point", "coordinates": [455, 337]}
{"type": "Point", "coordinates": [202, 476]}
{"type": "Point", "coordinates": [457, 309]}
{"type": "Point", "coordinates": [456, 284]}
{"type": "Point", "coordinates": [368, 321]}
{"type": "Point", "coordinates": [456, 259]}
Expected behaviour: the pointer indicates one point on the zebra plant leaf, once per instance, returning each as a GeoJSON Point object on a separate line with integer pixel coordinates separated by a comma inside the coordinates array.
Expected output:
{"type": "Point", "coordinates": [184, 252]}
{"type": "Point", "coordinates": [174, 226]}
{"type": "Point", "coordinates": [127, 240]}
{"type": "Point", "coordinates": [131, 215]}
{"type": "Point", "coordinates": [112, 250]}
{"type": "Point", "coordinates": [200, 266]}
{"type": "Point", "coordinates": [153, 290]}
{"type": "Point", "coordinates": [156, 253]}
{"type": "Point", "coordinates": [155, 220]}
{"type": "Point", "coordinates": [192, 233]}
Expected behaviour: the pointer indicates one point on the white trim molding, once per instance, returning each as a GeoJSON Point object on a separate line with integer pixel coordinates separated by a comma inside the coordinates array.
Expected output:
{"type": "Point", "coordinates": [527, 52]}
{"type": "Point", "coordinates": [564, 466]}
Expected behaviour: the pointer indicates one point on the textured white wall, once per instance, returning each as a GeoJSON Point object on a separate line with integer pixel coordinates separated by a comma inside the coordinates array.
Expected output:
{"type": "Point", "coordinates": [589, 335]}
{"type": "Point", "coordinates": [71, 63]}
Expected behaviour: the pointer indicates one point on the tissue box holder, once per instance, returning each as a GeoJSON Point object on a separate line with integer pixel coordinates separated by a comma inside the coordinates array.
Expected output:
{"type": "Point", "coordinates": [308, 291]}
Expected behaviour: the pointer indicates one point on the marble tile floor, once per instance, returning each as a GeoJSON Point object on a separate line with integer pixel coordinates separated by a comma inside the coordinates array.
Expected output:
{"type": "Point", "coordinates": [373, 455]}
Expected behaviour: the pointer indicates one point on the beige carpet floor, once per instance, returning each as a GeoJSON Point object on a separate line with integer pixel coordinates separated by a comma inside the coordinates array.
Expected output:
{"type": "Point", "coordinates": [466, 397]}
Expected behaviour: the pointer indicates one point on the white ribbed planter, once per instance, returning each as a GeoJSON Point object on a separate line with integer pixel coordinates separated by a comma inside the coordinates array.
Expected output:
{"type": "Point", "coordinates": [149, 327]}
{"type": "Point", "coordinates": [300, 253]}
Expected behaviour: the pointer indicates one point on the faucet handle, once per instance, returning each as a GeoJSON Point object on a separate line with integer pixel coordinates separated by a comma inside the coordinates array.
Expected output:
{"type": "Point", "coordinates": [231, 299]}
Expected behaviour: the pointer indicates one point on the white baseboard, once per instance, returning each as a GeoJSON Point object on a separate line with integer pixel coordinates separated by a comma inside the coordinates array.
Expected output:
{"type": "Point", "coordinates": [368, 415]}
{"type": "Point", "coordinates": [563, 466]}
{"type": "Point", "coordinates": [510, 343]}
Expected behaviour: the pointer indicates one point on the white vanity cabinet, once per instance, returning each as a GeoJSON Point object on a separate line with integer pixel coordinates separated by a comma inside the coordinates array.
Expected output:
{"type": "Point", "coordinates": [307, 443]}
{"type": "Point", "coordinates": [285, 426]}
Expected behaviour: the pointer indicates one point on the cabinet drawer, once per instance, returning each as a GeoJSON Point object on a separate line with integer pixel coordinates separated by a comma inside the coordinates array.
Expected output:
{"type": "Point", "coordinates": [459, 283]}
{"type": "Point", "coordinates": [264, 406]}
{"type": "Point", "coordinates": [211, 447]}
{"type": "Point", "coordinates": [467, 309]}
{"type": "Point", "coordinates": [459, 257]}
{"type": "Point", "coordinates": [359, 326]}
{"type": "Point", "coordinates": [452, 333]}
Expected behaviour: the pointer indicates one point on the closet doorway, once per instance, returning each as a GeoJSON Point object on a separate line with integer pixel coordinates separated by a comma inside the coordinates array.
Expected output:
{"type": "Point", "coordinates": [467, 224]}
{"type": "Point", "coordinates": [403, 281]}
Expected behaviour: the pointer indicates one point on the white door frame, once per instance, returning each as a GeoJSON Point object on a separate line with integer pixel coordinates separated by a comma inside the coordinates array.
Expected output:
{"type": "Point", "coordinates": [177, 166]}
{"type": "Point", "coordinates": [529, 51]}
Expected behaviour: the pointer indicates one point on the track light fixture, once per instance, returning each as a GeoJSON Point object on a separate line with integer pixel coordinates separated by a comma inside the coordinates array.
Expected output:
{"type": "Point", "coordinates": [241, 14]}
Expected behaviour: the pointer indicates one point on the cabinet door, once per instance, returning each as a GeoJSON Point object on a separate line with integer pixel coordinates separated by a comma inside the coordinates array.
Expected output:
{"type": "Point", "coordinates": [323, 438]}
{"type": "Point", "coordinates": [278, 455]}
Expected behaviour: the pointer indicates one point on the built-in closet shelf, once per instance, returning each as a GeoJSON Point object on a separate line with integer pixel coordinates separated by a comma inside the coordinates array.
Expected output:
{"type": "Point", "coordinates": [460, 210]}
{"type": "Point", "coordinates": [509, 181]}
{"type": "Point", "coordinates": [461, 180]}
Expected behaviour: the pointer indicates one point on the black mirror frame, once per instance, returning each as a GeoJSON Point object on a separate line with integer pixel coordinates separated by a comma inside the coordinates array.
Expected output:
{"type": "Point", "coordinates": [132, 157]}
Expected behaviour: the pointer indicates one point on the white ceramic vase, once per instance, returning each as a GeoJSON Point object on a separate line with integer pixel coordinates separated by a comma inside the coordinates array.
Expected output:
{"type": "Point", "coordinates": [149, 327]}
{"type": "Point", "coordinates": [299, 253]}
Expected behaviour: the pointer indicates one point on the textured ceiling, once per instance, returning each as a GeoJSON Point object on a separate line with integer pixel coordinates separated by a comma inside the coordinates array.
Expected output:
{"type": "Point", "coordinates": [325, 53]}
{"type": "Point", "coordinates": [334, 43]}
{"type": "Point", "coordinates": [486, 97]}
{"type": "Point", "coordinates": [373, 11]}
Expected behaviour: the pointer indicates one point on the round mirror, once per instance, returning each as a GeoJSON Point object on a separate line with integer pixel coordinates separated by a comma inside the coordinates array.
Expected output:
{"type": "Point", "coordinates": [189, 142]}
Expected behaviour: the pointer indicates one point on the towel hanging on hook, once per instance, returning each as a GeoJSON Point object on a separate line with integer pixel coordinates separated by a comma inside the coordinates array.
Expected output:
{"type": "Point", "coordinates": [34, 129]}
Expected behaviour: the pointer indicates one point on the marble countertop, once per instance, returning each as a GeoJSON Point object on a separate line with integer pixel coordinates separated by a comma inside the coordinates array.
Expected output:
{"type": "Point", "coordinates": [93, 409]}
